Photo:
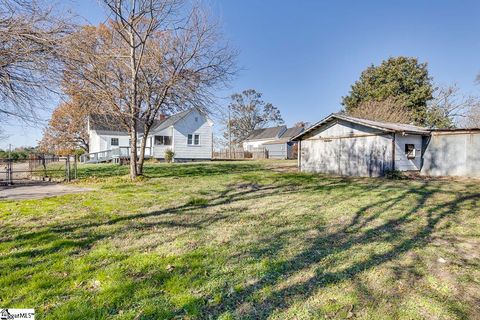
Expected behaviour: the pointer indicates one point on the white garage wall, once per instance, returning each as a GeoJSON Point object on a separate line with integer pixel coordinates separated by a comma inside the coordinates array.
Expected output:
{"type": "Point", "coordinates": [332, 149]}
{"type": "Point", "coordinates": [251, 145]}
{"type": "Point", "coordinates": [402, 163]}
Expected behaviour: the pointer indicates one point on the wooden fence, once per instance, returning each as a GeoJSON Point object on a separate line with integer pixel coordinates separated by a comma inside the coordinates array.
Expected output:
{"type": "Point", "coordinates": [259, 153]}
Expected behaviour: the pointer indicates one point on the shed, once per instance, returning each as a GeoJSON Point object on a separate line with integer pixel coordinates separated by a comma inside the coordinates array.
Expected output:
{"type": "Point", "coordinates": [344, 145]}
{"type": "Point", "coordinates": [284, 147]}
{"type": "Point", "coordinates": [453, 152]}
{"type": "Point", "coordinates": [260, 136]}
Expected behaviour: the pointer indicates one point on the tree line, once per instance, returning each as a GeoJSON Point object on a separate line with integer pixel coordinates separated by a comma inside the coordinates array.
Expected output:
{"type": "Point", "coordinates": [155, 57]}
{"type": "Point", "coordinates": [151, 57]}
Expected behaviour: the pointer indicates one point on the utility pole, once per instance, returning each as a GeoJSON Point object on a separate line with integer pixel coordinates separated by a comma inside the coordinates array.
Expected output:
{"type": "Point", "coordinates": [9, 165]}
{"type": "Point", "coordinates": [229, 133]}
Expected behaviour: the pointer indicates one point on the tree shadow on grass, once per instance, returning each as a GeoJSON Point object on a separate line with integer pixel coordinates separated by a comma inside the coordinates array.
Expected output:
{"type": "Point", "coordinates": [397, 232]}
{"type": "Point", "coordinates": [403, 233]}
{"type": "Point", "coordinates": [163, 170]}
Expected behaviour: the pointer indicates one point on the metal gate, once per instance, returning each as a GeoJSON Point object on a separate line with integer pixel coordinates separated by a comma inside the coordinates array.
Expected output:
{"type": "Point", "coordinates": [37, 167]}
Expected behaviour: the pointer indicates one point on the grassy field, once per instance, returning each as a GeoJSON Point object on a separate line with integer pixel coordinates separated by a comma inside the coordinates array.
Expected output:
{"type": "Point", "coordinates": [244, 240]}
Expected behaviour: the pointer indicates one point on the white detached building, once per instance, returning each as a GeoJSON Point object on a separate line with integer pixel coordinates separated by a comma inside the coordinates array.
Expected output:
{"type": "Point", "coordinates": [349, 146]}
{"type": "Point", "coordinates": [189, 134]}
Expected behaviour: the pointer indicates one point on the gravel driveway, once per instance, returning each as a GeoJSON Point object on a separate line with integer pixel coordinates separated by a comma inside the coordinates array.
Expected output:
{"type": "Point", "coordinates": [37, 190]}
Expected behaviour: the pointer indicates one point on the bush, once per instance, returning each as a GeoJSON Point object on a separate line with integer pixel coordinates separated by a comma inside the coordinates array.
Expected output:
{"type": "Point", "coordinates": [169, 154]}
{"type": "Point", "coordinates": [395, 175]}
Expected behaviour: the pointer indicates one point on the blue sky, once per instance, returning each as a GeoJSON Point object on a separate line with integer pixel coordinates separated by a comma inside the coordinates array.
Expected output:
{"type": "Point", "coordinates": [304, 55]}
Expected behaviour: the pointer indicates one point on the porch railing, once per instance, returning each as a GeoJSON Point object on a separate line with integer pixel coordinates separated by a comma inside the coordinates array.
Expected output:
{"type": "Point", "coordinates": [108, 155]}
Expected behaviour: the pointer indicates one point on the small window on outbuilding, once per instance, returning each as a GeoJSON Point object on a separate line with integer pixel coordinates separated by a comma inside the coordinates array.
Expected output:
{"type": "Point", "coordinates": [410, 151]}
{"type": "Point", "coordinates": [114, 142]}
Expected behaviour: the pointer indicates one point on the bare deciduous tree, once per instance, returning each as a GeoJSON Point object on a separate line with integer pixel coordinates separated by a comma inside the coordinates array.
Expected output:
{"type": "Point", "coordinates": [450, 108]}
{"type": "Point", "coordinates": [388, 110]}
{"type": "Point", "coordinates": [30, 36]}
{"type": "Point", "coordinates": [67, 129]}
{"type": "Point", "coordinates": [149, 60]}
{"type": "Point", "coordinates": [302, 124]}
{"type": "Point", "coordinates": [247, 112]}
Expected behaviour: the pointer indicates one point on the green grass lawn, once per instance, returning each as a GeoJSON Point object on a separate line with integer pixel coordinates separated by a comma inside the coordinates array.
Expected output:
{"type": "Point", "coordinates": [243, 240]}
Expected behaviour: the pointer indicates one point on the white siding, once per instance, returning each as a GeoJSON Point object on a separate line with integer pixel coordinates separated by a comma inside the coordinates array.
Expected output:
{"type": "Point", "coordinates": [193, 123]}
{"type": "Point", "coordinates": [341, 128]}
{"type": "Point", "coordinates": [159, 151]}
{"type": "Point", "coordinates": [101, 141]}
{"type": "Point", "coordinates": [250, 145]}
{"type": "Point", "coordinates": [277, 151]}
{"type": "Point", "coordinates": [345, 148]}
{"type": "Point", "coordinates": [95, 142]}
{"type": "Point", "coordinates": [453, 154]}
{"type": "Point", "coordinates": [402, 163]}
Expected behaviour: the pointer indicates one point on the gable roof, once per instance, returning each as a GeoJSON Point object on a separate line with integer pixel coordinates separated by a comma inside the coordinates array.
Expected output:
{"type": "Point", "coordinates": [292, 132]}
{"type": "Point", "coordinates": [111, 123]}
{"type": "Point", "coordinates": [266, 133]}
{"type": "Point", "coordinates": [383, 126]}
{"type": "Point", "coordinates": [102, 122]}
{"type": "Point", "coordinates": [169, 121]}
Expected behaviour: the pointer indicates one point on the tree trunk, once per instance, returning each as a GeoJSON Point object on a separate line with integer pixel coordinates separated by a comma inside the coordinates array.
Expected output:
{"type": "Point", "coordinates": [133, 151]}
{"type": "Point", "coordinates": [143, 145]}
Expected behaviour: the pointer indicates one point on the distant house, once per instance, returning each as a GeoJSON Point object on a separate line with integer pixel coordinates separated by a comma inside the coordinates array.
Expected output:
{"type": "Point", "coordinates": [283, 147]}
{"type": "Point", "coordinates": [344, 145]}
{"type": "Point", "coordinates": [276, 140]}
{"type": "Point", "coordinates": [188, 134]}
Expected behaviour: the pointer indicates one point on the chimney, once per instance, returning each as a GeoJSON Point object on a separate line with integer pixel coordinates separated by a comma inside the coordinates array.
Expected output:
{"type": "Point", "coordinates": [162, 117]}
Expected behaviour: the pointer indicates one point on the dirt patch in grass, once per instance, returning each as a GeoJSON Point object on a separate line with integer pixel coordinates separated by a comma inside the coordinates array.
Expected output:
{"type": "Point", "coordinates": [38, 190]}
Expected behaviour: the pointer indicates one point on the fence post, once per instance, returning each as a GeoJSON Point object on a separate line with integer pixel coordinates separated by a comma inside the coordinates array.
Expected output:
{"type": "Point", "coordinates": [67, 168]}
{"type": "Point", "coordinates": [9, 172]}
{"type": "Point", "coordinates": [75, 167]}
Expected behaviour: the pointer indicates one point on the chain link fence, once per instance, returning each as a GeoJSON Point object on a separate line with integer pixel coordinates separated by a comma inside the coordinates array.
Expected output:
{"type": "Point", "coordinates": [38, 167]}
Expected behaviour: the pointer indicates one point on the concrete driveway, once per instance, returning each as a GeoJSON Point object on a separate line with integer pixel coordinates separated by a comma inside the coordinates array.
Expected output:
{"type": "Point", "coordinates": [37, 190]}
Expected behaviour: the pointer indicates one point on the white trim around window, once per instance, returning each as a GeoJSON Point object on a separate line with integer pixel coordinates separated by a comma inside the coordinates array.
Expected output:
{"type": "Point", "coordinates": [193, 139]}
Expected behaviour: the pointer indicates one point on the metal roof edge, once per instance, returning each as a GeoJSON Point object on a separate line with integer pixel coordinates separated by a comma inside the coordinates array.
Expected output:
{"type": "Point", "coordinates": [357, 121]}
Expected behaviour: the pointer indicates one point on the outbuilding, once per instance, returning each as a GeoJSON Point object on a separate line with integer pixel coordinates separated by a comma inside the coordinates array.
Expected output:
{"type": "Point", "coordinates": [284, 147]}
{"type": "Point", "coordinates": [344, 145]}
{"type": "Point", "coordinates": [453, 152]}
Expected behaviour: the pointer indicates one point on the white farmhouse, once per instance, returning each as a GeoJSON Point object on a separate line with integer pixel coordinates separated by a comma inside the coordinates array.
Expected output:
{"type": "Point", "coordinates": [188, 134]}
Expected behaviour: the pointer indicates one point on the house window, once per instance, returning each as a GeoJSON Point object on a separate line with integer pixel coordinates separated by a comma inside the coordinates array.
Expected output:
{"type": "Point", "coordinates": [196, 119]}
{"type": "Point", "coordinates": [163, 140]}
{"type": "Point", "coordinates": [193, 139]}
{"type": "Point", "coordinates": [114, 142]}
{"type": "Point", "coordinates": [410, 151]}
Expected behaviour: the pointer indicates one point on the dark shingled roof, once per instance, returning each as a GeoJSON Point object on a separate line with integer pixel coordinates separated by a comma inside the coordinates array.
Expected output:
{"type": "Point", "coordinates": [292, 132]}
{"type": "Point", "coordinates": [167, 122]}
{"type": "Point", "coordinates": [266, 133]}
{"type": "Point", "coordinates": [103, 122]}
{"type": "Point", "coordinates": [110, 123]}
